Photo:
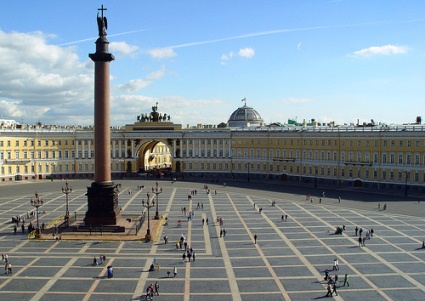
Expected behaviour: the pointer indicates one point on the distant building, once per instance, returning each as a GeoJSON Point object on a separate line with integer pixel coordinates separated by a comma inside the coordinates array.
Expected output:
{"type": "Point", "coordinates": [368, 155]}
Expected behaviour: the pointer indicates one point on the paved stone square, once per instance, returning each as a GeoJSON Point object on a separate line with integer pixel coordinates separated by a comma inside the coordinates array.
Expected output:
{"type": "Point", "coordinates": [287, 262]}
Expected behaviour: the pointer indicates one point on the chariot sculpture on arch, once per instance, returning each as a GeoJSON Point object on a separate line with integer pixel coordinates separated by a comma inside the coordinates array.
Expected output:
{"type": "Point", "coordinates": [154, 116]}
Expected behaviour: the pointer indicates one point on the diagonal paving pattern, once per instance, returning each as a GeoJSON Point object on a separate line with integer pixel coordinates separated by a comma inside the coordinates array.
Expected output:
{"type": "Point", "coordinates": [287, 263]}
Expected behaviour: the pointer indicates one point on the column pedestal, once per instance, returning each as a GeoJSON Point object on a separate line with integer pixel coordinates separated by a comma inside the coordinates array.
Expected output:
{"type": "Point", "coordinates": [102, 204]}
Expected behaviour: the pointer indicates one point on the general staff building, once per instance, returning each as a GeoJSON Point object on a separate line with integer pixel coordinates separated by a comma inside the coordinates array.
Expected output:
{"type": "Point", "coordinates": [361, 155]}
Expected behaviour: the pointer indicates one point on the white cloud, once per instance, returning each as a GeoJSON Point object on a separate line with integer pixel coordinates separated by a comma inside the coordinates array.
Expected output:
{"type": "Point", "coordinates": [123, 48]}
{"type": "Point", "coordinates": [157, 74]}
{"type": "Point", "coordinates": [181, 109]}
{"type": "Point", "coordinates": [243, 52]}
{"type": "Point", "coordinates": [381, 50]}
{"type": "Point", "coordinates": [161, 53]}
{"type": "Point", "coordinates": [246, 52]}
{"type": "Point", "coordinates": [141, 83]}
{"type": "Point", "coordinates": [135, 84]}
{"type": "Point", "coordinates": [226, 57]}
{"type": "Point", "coordinates": [299, 46]}
{"type": "Point", "coordinates": [37, 78]}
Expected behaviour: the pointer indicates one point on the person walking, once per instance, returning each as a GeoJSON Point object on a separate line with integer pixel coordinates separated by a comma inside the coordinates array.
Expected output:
{"type": "Point", "coordinates": [326, 274]}
{"type": "Point", "coordinates": [356, 230]}
{"type": "Point", "coordinates": [175, 272]}
{"type": "Point", "coordinates": [346, 280]}
{"type": "Point", "coordinates": [360, 241]}
{"type": "Point", "coordinates": [336, 266]}
{"type": "Point", "coordinates": [334, 289]}
{"type": "Point", "coordinates": [329, 289]}
{"type": "Point", "coordinates": [255, 238]}
{"type": "Point", "coordinates": [157, 288]}
{"type": "Point", "coordinates": [194, 256]}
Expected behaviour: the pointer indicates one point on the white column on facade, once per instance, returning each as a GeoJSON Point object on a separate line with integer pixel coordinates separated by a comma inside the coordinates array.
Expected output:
{"type": "Point", "coordinates": [114, 148]}
{"type": "Point", "coordinates": [132, 148]}
{"type": "Point", "coordinates": [212, 148]}
{"type": "Point", "coordinates": [187, 148]}
{"type": "Point", "coordinates": [199, 148]}
{"type": "Point", "coordinates": [89, 148]}
{"type": "Point", "coordinates": [174, 148]}
{"type": "Point", "coordinates": [193, 148]}
{"type": "Point", "coordinates": [83, 143]}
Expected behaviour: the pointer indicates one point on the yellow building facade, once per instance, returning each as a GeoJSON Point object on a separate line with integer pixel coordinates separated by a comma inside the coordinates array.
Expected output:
{"type": "Point", "coordinates": [378, 156]}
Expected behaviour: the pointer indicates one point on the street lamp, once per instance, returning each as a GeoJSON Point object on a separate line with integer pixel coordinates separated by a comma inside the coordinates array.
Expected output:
{"type": "Point", "coordinates": [148, 204]}
{"type": "Point", "coordinates": [157, 190]}
{"type": "Point", "coordinates": [37, 202]}
{"type": "Point", "coordinates": [315, 175]}
{"type": "Point", "coordinates": [407, 176]}
{"type": "Point", "coordinates": [67, 190]}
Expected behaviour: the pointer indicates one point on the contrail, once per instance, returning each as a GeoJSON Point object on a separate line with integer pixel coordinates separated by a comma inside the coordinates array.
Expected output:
{"type": "Point", "coordinates": [111, 35]}
{"type": "Point", "coordinates": [249, 35]}
{"type": "Point", "coordinates": [269, 32]}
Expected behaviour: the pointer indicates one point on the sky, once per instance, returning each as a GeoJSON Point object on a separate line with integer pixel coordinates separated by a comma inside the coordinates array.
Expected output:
{"type": "Point", "coordinates": [328, 60]}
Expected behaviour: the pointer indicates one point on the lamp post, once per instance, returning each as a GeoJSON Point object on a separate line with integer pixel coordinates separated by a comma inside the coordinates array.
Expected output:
{"type": "Point", "coordinates": [148, 204]}
{"type": "Point", "coordinates": [407, 172]}
{"type": "Point", "coordinates": [315, 175]}
{"type": "Point", "coordinates": [67, 190]}
{"type": "Point", "coordinates": [157, 190]}
{"type": "Point", "coordinates": [37, 202]}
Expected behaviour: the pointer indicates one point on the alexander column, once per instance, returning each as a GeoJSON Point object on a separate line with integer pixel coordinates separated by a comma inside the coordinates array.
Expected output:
{"type": "Point", "coordinates": [102, 195]}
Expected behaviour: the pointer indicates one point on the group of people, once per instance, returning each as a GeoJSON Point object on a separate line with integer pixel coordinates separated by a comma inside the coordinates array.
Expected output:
{"type": "Point", "coordinates": [384, 208]}
{"type": "Point", "coordinates": [102, 259]}
{"type": "Point", "coordinates": [152, 289]}
{"type": "Point", "coordinates": [362, 239]}
{"type": "Point", "coordinates": [332, 283]}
